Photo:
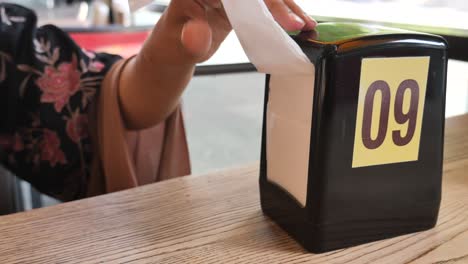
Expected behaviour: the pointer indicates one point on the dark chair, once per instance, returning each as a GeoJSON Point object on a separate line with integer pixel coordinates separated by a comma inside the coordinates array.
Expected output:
{"type": "Point", "coordinates": [11, 200]}
{"type": "Point", "coordinates": [13, 197]}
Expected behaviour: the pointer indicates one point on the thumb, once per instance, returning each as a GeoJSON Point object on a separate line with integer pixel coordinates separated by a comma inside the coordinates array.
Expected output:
{"type": "Point", "coordinates": [196, 37]}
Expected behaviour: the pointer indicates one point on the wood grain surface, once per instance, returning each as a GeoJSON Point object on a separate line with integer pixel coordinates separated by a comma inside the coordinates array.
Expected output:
{"type": "Point", "coordinates": [217, 219]}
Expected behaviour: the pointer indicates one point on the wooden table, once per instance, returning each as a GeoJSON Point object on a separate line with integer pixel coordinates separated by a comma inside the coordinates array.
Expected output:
{"type": "Point", "coordinates": [217, 219]}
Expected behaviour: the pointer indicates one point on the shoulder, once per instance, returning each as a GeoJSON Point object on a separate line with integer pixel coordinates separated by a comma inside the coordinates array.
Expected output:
{"type": "Point", "coordinates": [47, 84]}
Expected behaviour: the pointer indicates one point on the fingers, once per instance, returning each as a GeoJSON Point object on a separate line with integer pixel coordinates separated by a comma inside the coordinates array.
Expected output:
{"type": "Point", "coordinates": [289, 15]}
{"type": "Point", "coordinates": [196, 37]}
{"type": "Point", "coordinates": [283, 15]}
{"type": "Point", "coordinates": [188, 19]}
{"type": "Point", "coordinates": [203, 24]}
{"type": "Point", "coordinates": [310, 23]}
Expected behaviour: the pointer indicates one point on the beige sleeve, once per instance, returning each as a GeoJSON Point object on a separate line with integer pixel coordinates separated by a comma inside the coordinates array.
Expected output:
{"type": "Point", "coordinates": [126, 159]}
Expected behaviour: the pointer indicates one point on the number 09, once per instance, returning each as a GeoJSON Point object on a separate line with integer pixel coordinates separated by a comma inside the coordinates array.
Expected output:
{"type": "Point", "coordinates": [400, 117]}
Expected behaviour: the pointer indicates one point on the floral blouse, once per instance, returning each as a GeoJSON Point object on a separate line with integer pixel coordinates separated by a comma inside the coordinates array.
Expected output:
{"type": "Point", "coordinates": [47, 84]}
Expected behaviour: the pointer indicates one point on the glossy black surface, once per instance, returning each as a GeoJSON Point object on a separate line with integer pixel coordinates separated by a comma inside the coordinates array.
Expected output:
{"type": "Point", "coordinates": [349, 206]}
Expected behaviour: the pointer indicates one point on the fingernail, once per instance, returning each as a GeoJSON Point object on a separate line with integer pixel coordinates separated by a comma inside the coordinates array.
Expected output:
{"type": "Point", "coordinates": [311, 20]}
{"type": "Point", "coordinates": [298, 21]}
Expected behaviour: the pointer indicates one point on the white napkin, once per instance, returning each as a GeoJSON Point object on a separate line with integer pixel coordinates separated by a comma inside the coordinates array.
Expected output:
{"type": "Point", "coordinates": [289, 110]}
{"type": "Point", "coordinates": [266, 44]}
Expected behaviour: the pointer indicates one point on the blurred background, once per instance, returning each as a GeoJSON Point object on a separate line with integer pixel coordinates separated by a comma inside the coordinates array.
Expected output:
{"type": "Point", "coordinates": [223, 103]}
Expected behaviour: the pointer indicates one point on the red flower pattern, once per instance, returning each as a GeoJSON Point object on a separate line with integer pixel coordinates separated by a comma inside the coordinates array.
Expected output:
{"type": "Point", "coordinates": [77, 127]}
{"type": "Point", "coordinates": [14, 143]}
{"type": "Point", "coordinates": [5, 142]}
{"type": "Point", "coordinates": [96, 66]}
{"type": "Point", "coordinates": [65, 79]}
{"type": "Point", "coordinates": [59, 84]}
{"type": "Point", "coordinates": [50, 148]}
{"type": "Point", "coordinates": [18, 143]}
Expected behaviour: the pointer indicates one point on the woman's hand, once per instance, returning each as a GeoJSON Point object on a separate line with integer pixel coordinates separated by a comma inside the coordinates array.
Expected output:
{"type": "Point", "coordinates": [190, 31]}
{"type": "Point", "coordinates": [206, 24]}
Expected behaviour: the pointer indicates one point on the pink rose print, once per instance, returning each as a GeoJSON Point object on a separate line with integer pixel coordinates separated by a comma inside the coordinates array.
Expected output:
{"type": "Point", "coordinates": [36, 159]}
{"type": "Point", "coordinates": [77, 127]}
{"type": "Point", "coordinates": [5, 142]}
{"type": "Point", "coordinates": [50, 148]}
{"type": "Point", "coordinates": [14, 143]}
{"type": "Point", "coordinates": [18, 143]}
{"type": "Point", "coordinates": [96, 66]}
{"type": "Point", "coordinates": [59, 84]}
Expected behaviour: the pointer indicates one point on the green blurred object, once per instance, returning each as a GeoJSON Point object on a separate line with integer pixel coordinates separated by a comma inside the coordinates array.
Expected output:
{"type": "Point", "coordinates": [338, 31]}
{"type": "Point", "coordinates": [335, 32]}
{"type": "Point", "coordinates": [438, 30]}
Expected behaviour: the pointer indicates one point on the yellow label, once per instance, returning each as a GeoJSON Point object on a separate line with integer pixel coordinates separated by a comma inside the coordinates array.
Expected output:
{"type": "Point", "coordinates": [390, 110]}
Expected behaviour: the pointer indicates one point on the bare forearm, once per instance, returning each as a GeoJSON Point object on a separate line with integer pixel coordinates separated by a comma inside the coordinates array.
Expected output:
{"type": "Point", "coordinates": [152, 83]}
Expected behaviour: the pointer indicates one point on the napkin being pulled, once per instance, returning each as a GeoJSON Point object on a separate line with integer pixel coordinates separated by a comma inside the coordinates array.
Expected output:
{"type": "Point", "coordinates": [266, 44]}
{"type": "Point", "coordinates": [289, 109]}
{"type": "Point", "coordinates": [291, 93]}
